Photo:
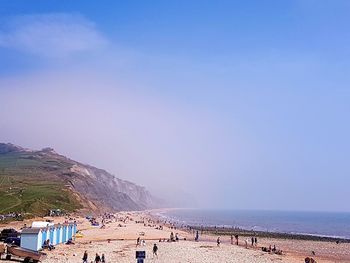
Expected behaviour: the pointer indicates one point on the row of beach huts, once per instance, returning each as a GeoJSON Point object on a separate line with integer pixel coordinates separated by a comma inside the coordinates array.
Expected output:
{"type": "Point", "coordinates": [33, 238]}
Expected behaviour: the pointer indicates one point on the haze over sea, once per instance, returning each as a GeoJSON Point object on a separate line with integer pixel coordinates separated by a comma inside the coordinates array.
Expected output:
{"type": "Point", "coordinates": [330, 224]}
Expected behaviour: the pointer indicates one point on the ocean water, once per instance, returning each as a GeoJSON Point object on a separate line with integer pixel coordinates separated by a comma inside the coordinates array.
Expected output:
{"type": "Point", "coordinates": [309, 223]}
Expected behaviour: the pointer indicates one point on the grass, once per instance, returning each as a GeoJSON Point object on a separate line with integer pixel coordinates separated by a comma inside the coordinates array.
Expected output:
{"type": "Point", "coordinates": [33, 185]}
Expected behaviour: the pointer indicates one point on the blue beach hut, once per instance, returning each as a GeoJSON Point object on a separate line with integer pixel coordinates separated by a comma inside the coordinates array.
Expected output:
{"type": "Point", "coordinates": [32, 238]}
{"type": "Point", "coordinates": [51, 237]}
{"type": "Point", "coordinates": [58, 234]}
{"type": "Point", "coordinates": [64, 233]}
{"type": "Point", "coordinates": [54, 235]}
{"type": "Point", "coordinates": [44, 236]}
{"type": "Point", "coordinates": [70, 231]}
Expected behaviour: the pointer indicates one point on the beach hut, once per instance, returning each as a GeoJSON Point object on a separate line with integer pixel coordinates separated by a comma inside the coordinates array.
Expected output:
{"type": "Point", "coordinates": [53, 240]}
{"type": "Point", "coordinates": [70, 231]}
{"type": "Point", "coordinates": [44, 235]}
{"type": "Point", "coordinates": [41, 224]}
{"type": "Point", "coordinates": [74, 228]}
{"type": "Point", "coordinates": [32, 238]}
{"type": "Point", "coordinates": [61, 234]}
{"type": "Point", "coordinates": [58, 234]}
{"type": "Point", "coordinates": [47, 234]}
{"type": "Point", "coordinates": [64, 233]}
{"type": "Point", "coordinates": [51, 237]}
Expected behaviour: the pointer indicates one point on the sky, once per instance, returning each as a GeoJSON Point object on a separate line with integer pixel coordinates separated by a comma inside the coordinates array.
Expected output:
{"type": "Point", "coordinates": [213, 104]}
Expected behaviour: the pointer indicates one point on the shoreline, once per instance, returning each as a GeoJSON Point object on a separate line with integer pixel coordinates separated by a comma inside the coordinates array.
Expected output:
{"type": "Point", "coordinates": [211, 229]}
{"type": "Point", "coordinates": [225, 231]}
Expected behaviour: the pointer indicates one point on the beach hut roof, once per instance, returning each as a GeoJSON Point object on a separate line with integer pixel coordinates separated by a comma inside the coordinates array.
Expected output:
{"type": "Point", "coordinates": [31, 230]}
{"type": "Point", "coordinates": [41, 224]}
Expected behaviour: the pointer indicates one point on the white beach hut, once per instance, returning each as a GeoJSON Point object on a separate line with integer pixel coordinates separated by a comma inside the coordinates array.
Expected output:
{"type": "Point", "coordinates": [41, 224]}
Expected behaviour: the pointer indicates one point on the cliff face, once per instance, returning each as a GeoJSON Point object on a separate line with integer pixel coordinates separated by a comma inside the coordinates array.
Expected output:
{"type": "Point", "coordinates": [83, 185]}
{"type": "Point", "coordinates": [98, 185]}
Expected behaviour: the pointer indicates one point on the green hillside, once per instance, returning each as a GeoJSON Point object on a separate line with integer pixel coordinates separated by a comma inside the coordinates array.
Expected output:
{"type": "Point", "coordinates": [32, 183]}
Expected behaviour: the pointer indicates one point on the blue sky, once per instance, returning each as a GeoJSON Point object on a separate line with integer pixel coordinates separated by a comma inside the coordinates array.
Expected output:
{"type": "Point", "coordinates": [214, 100]}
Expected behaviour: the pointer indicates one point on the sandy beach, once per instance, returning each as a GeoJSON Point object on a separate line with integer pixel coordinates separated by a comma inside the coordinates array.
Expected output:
{"type": "Point", "coordinates": [117, 241]}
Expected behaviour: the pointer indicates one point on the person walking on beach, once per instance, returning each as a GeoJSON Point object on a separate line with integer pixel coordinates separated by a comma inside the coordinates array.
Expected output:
{"type": "Point", "coordinates": [218, 241]}
{"type": "Point", "coordinates": [231, 239]}
{"type": "Point", "coordinates": [85, 257]}
{"type": "Point", "coordinates": [236, 236]}
{"type": "Point", "coordinates": [97, 258]}
{"type": "Point", "coordinates": [252, 241]}
{"type": "Point", "coordinates": [103, 259]}
{"type": "Point", "coordinates": [197, 236]}
{"type": "Point", "coordinates": [155, 250]}
{"type": "Point", "coordinates": [256, 241]}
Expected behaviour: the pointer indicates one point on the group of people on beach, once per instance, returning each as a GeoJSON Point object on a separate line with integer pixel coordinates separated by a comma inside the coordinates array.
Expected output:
{"type": "Point", "coordinates": [174, 238]}
{"type": "Point", "coordinates": [254, 240]}
{"type": "Point", "coordinates": [98, 258]}
{"type": "Point", "coordinates": [273, 250]}
{"type": "Point", "coordinates": [48, 245]}
{"type": "Point", "coordinates": [236, 239]}
{"type": "Point", "coordinates": [140, 242]}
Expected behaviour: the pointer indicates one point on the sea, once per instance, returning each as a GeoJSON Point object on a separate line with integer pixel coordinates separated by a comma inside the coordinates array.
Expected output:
{"type": "Point", "coordinates": [324, 224]}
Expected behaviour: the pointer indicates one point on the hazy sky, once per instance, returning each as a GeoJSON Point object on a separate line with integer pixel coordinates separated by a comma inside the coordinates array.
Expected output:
{"type": "Point", "coordinates": [234, 104]}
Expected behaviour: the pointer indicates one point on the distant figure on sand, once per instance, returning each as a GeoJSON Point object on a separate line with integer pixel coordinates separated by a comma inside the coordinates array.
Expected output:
{"type": "Point", "coordinates": [246, 243]}
{"type": "Point", "coordinates": [103, 260]}
{"type": "Point", "coordinates": [252, 241]}
{"type": "Point", "coordinates": [138, 241]}
{"type": "Point", "coordinates": [218, 241]}
{"type": "Point", "coordinates": [231, 239]}
{"type": "Point", "coordinates": [236, 237]}
{"type": "Point", "coordinates": [171, 236]}
{"type": "Point", "coordinates": [155, 250]}
{"type": "Point", "coordinates": [256, 241]}
{"type": "Point", "coordinates": [85, 257]}
{"type": "Point", "coordinates": [197, 236]}
{"type": "Point", "coordinates": [97, 258]}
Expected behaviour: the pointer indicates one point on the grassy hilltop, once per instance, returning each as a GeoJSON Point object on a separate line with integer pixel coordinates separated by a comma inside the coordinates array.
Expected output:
{"type": "Point", "coordinates": [33, 182]}
{"type": "Point", "coordinates": [29, 183]}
